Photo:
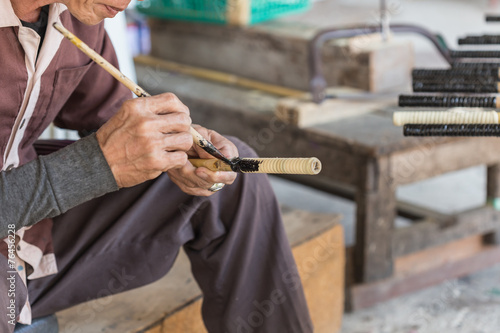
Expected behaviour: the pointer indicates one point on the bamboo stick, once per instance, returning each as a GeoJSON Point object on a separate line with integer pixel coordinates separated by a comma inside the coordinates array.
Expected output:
{"type": "Point", "coordinates": [217, 76]}
{"type": "Point", "coordinates": [454, 116]}
{"type": "Point", "coordinates": [297, 166]}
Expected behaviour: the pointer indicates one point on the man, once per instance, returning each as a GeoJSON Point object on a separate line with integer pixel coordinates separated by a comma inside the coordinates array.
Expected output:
{"type": "Point", "coordinates": [120, 202]}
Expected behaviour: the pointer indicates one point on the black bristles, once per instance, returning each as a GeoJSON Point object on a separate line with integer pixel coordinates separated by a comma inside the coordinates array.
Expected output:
{"type": "Point", "coordinates": [451, 130]}
{"type": "Point", "coordinates": [447, 101]}
{"type": "Point", "coordinates": [455, 72]}
{"type": "Point", "coordinates": [474, 54]}
{"type": "Point", "coordinates": [492, 18]}
{"type": "Point", "coordinates": [476, 65]}
{"type": "Point", "coordinates": [419, 86]}
{"type": "Point", "coordinates": [480, 40]}
{"type": "Point", "coordinates": [245, 165]}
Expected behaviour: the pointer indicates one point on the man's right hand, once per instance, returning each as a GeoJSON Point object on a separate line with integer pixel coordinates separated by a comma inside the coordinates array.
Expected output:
{"type": "Point", "coordinates": [146, 137]}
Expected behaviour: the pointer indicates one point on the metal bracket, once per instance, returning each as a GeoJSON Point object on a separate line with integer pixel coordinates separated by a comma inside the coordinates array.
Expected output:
{"type": "Point", "coordinates": [317, 85]}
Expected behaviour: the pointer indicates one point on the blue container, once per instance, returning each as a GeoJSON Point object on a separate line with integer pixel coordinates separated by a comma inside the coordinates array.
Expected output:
{"type": "Point", "coordinates": [234, 12]}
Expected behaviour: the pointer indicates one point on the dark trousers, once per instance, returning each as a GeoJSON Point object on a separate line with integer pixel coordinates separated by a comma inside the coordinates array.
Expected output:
{"type": "Point", "coordinates": [235, 240]}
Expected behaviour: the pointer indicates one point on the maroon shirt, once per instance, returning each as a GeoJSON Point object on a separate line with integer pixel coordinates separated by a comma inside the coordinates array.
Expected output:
{"type": "Point", "coordinates": [60, 85]}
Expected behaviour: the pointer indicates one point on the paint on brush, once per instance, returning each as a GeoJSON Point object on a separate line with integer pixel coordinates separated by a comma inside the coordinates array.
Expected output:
{"type": "Point", "coordinates": [210, 148]}
{"type": "Point", "coordinates": [245, 165]}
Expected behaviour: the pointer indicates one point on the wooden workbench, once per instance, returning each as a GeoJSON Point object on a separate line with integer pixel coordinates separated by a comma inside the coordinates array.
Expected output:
{"type": "Point", "coordinates": [366, 158]}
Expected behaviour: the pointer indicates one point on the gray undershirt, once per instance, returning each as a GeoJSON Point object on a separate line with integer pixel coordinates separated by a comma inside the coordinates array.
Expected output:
{"type": "Point", "coordinates": [53, 184]}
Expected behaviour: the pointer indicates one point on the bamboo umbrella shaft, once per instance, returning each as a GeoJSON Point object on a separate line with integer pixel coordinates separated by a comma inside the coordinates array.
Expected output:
{"type": "Point", "coordinates": [296, 166]}
{"type": "Point", "coordinates": [445, 117]}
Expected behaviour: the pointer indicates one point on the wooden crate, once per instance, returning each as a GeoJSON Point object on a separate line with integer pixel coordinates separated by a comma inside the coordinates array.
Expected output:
{"type": "Point", "coordinates": [278, 53]}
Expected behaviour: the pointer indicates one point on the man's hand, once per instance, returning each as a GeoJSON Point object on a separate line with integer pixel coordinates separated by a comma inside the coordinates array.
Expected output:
{"type": "Point", "coordinates": [146, 137]}
{"type": "Point", "coordinates": [197, 181]}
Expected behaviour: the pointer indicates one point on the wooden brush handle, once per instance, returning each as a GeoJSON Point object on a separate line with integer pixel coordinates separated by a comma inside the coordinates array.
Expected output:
{"type": "Point", "coordinates": [445, 117]}
{"type": "Point", "coordinates": [210, 163]}
{"type": "Point", "coordinates": [295, 166]}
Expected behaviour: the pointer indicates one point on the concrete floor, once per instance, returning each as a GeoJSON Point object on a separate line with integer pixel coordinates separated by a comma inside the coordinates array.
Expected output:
{"type": "Point", "coordinates": [470, 304]}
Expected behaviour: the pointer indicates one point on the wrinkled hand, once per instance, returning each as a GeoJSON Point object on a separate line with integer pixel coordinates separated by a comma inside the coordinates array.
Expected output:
{"type": "Point", "coordinates": [146, 137]}
{"type": "Point", "coordinates": [197, 181]}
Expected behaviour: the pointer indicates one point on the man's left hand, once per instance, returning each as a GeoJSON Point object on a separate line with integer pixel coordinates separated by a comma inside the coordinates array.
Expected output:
{"type": "Point", "coordinates": [197, 181]}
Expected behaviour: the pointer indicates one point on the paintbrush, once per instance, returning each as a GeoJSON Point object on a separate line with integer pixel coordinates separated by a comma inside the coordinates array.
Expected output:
{"type": "Point", "coordinates": [198, 139]}
{"type": "Point", "coordinates": [297, 166]}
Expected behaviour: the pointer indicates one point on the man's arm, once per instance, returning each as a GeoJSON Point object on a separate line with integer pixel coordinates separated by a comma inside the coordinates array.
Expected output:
{"type": "Point", "coordinates": [52, 184]}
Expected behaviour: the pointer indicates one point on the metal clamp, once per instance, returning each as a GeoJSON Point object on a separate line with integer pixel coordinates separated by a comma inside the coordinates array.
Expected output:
{"type": "Point", "coordinates": [317, 85]}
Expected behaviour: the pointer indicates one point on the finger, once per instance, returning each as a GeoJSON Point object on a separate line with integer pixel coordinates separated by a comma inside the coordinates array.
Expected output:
{"type": "Point", "coordinates": [174, 160]}
{"type": "Point", "coordinates": [173, 122]}
{"type": "Point", "coordinates": [177, 141]}
{"type": "Point", "coordinates": [211, 177]}
{"type": "Point", "coordinates": [165, 103]}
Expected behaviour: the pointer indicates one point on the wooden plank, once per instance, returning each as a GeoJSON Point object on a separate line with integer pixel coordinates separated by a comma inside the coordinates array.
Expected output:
{"type": "Point", "coordinates": [321, 264]}
{"type": "Point", "coordinates": [363, 296]}
{"type": "Point", "coordinates": [278, 52]}
{"type": "Point", "coordinates": [274, 53]}
{"type": "Point", "coordinates": [375, 213]}
{"type": "Point", "coordinates": [433, 159]}
{"type": "Point", "coordinates": [435, 257]}
{"type": "Point", "coordinates": [217, 76]}
{"type": "Point", "coordinates": [413, 211]}
{"type": "Point", "coordinates": [304, 113]}
{"type": "Point", "coordinates": [238, 12]}
{"type": "Point", "coordinates": [136, 309]}
{"type": "Point", "coordinates": [430, 233]}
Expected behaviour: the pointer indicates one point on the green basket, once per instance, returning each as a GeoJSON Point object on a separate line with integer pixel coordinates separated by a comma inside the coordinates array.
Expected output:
{"type": "Point", "coordinates": [233, 12]}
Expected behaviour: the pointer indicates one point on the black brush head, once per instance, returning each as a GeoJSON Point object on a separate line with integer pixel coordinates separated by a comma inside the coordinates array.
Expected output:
{"type": "Point", "coordinates": [451, 130]}
{"type": "Point", "coordinates": [447, 101]}
{"type": "Point", "coordinates": [245, 165]}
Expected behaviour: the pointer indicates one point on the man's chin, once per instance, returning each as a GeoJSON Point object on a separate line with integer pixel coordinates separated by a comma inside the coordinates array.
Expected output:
{"type": "Point", "coordinates": [89, 20]}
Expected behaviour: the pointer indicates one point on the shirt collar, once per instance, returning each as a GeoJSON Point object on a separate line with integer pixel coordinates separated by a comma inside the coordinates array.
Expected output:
{"type": "Point", "coordinates": [9, 19]}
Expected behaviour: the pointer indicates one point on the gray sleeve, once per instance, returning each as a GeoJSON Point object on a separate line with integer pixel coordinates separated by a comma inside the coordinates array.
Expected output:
{"type": "Point", "coordinates": [54, 183]}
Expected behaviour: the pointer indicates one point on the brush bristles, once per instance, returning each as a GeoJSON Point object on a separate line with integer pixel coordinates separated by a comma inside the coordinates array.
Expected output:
{"type": "Point", "coordinates": [480, 40]}
{"type": "Point", "coordinates": [478, 87]}
{"type": "Point", "coordinates": [474, 54]}
{"type": "Point", "coordinates": [452, 130]}
{"type": "Point", "coordinates": [448, 101]}
{"type": "Point", "coordinates": [454, 72]}
{"type": "Point", "coordinates": [445, 117]}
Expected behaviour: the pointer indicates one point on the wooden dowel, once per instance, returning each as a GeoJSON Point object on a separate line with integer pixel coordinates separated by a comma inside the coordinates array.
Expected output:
{"type": "Point", "coordinates": [198, 139]}
{"type": "Point", "coordinates": [445, 117]}
{"type": "Point", "coordinates": [217, 76]}
{"type": "Point", "coordinates": [295, 166]}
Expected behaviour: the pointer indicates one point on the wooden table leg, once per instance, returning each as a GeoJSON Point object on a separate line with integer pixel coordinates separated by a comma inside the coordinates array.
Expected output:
{"type": "Point", "coordinates": [376, 210]}
{"type": "Point", "coordinates": [493, 199]}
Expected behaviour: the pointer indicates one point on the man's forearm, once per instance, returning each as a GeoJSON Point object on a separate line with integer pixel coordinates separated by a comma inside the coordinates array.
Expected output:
{"type": "Point", "coordinates": [52, 184]}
